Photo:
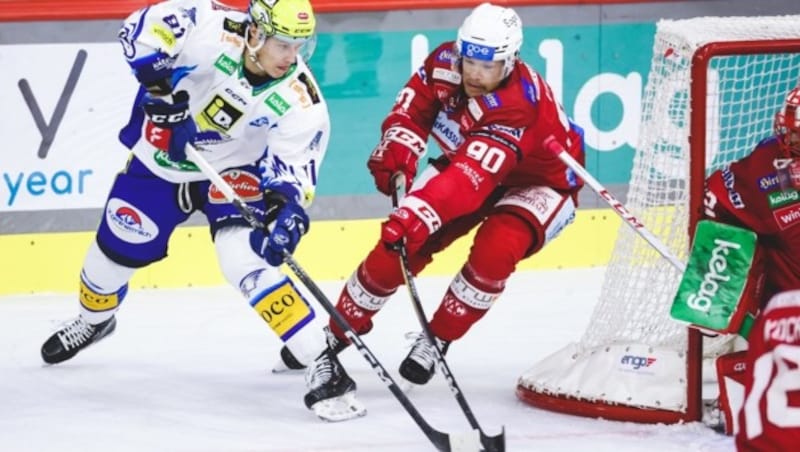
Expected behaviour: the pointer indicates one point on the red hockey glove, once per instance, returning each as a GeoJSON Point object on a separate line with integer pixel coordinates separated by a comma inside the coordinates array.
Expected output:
{"type": "Point", "coordinates": [399, 150]}
{"type": "Point", "coordinates": [414, 221]}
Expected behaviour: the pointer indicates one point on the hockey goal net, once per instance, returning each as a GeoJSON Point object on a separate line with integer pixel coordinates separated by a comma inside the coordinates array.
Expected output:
{"type": "Point", "coordinates": [713, 88]}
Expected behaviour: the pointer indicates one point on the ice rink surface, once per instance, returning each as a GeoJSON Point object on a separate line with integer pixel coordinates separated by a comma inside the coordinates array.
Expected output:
{"type": "Point", "coordinates": [189, 370]}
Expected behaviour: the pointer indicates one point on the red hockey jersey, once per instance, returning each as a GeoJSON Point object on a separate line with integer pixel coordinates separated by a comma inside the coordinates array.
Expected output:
{"type": "Point", "coordinates": [494, 140]}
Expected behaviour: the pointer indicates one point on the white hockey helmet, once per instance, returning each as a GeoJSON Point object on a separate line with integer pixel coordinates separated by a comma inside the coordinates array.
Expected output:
{"type": "Point", "coordinates": [491, 33]}
{"type": "Point", "coordinates": [787, 124]}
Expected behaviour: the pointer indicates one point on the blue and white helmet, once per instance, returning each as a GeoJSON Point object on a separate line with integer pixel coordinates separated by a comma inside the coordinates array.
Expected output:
{"type": "Point", "coordinates": [491, 33]}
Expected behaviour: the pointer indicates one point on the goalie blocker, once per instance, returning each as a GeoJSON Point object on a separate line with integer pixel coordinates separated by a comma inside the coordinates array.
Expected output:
{"type": "Point", "coordinates": [722, 284]}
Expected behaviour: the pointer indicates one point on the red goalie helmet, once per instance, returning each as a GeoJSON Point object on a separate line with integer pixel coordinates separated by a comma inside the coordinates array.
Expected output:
{"type": "Point", "coordinates": [787, 124]}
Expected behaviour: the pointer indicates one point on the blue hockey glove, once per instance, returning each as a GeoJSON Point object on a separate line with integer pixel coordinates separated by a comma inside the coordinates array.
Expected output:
{"type": "Point", "coordinates": [291, 223]}
{"type": "Point", "coordinates": [174, 117]}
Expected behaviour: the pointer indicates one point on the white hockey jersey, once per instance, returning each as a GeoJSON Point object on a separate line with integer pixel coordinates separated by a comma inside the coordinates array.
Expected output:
{"type": "Point", "coordinates": [285, 122]}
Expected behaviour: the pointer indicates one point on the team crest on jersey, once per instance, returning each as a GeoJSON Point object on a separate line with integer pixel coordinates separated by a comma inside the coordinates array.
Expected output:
{"type": "Point", "coordinates": [219, 114]}
{"type": "Point", "coordinates": [244, 183]}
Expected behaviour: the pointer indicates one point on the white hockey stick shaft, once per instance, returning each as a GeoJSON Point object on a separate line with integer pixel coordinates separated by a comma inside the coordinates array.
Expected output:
{"type": "Point", "coordinates": [551, 144]}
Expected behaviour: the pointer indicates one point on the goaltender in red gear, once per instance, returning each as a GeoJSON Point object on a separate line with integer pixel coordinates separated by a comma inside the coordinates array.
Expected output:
{"type": "Point", "coordinates": [490, 113]}
{"type": "Point", "coordinates": [761, 192]}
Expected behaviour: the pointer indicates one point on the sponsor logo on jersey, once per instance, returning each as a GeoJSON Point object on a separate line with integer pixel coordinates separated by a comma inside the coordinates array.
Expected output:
{"type": "Point", "coordinates": [234, 27]}
{"type": "Point", "coordinates": [781, 198]}
{"type": "Point", "coordinates": [477, 51]}
{"type": "Point", "coordinates": [311, 87]}
{"type": "Point", "coordinates": [163, 35]}
{"type": "Point", "coordinates": [422, 75]}
{"type": "Point", "coordinates": [474, 109]}
{"type": "Point", "coordinates": [446, 75]}
{"type": "Point", "coordinates": [768, 182]}
{"type": "Point", "coordinates": [129, 223]}
{"type": "Point", "coordinates": [235, 96]}
{"type": "Point", "coordinates": [531, 93]}
{"type": "Point", "coordinates": [226, 64]}
{"type": "Point", "coordinates": [445, 55]}
{"type": "Point", "coordinates": [729, 180]}
{"type": "Point", "coordinates": [447, 131]}
{"type": "Point", "coordinates": [787, 217]}
{"type": "Point", "coordinates": [277, 103]}
{"type": "Point", "coordinates": [492, 101]}
{"type": "Point", "coordinates": [511, 131]}
{"type": "Point", "coordinates": [219, 114]}
{"type": "Point", "coordinates": [260, 121]}
{"type": "Point", "coordinates": [637, 362]}
{"type": "Point", "coordinates": [244, 183]}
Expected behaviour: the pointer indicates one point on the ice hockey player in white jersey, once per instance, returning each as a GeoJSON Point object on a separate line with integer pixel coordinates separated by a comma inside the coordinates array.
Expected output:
{"type": "Point", "coordinates": [235, 85]}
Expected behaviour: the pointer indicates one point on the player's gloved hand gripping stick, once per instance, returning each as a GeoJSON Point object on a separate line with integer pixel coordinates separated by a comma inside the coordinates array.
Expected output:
{"type": "Point", "coordinates": [465, 442]}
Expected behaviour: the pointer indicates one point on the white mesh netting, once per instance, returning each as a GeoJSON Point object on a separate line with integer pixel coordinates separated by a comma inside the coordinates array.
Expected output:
{"type": "Point", "coordinates": [632, 319]}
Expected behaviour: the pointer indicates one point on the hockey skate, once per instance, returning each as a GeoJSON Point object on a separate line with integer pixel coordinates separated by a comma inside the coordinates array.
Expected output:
{"type": "Point", "coordinates": [73, 337]}
{"type": "Point", "coordinates": [331, 394]}
{"type": "Point", "coordinates": [287, 363]}
{"type": "Point", "coordinates": [420, 364]}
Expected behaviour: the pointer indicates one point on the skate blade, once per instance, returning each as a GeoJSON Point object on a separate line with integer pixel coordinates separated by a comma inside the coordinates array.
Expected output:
{"type": "Point", "coordinates": [337, 409]}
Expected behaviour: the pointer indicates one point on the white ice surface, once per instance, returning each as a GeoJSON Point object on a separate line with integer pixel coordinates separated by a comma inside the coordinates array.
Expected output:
{"type": "Point", "coordinates": [188, 370]}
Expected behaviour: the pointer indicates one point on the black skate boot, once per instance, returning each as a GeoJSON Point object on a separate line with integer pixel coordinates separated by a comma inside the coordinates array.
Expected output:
{"type": "Point", "coordinates": [331, 394]}
{"type": "Point", "coordinates": [420, 364]}
{"type": "Point", "coordinates": [73, 337]}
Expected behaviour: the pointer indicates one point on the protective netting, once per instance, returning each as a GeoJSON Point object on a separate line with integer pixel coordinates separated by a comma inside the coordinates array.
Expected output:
{"type": "Point", "coordinates": [743, 92]}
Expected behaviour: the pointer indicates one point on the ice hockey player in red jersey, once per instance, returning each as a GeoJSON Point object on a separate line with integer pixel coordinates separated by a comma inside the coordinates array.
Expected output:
{"type": "Point", "coordinates": [760, 193]}
{"type": "Point", "coordinates": [490, 113]}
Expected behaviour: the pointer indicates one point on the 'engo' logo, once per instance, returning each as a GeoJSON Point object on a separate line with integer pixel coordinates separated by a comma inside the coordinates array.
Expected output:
{"type": "Point", "coordinates": [637, 362]}
{"type": "Point", "coordinates": [701, 300]}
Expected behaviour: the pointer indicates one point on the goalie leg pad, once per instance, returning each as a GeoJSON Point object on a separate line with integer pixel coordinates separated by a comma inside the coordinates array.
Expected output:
{"type": "Point", "coordinates": [723, 283]}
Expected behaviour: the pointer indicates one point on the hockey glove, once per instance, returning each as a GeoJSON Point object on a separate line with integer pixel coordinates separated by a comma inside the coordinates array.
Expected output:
{"type": "Point", "coordinates": [291, 223]}
{"type": "Point", "coordinates": [412, 223]}
{"type": "Point", "coordinates": [398, 151]}
{"type": "Point", "coordinates": [176, 119]}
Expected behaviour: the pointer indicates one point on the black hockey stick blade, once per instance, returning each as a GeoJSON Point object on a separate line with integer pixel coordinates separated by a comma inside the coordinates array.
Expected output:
{"type": "Point", "coordinates": [442, 441]}
{"type": "Point", "coordinates": [495, 443]}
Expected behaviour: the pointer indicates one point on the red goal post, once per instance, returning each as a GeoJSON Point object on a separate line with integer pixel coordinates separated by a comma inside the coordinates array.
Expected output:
{"type": "Point", "coordinates": [714, 86]}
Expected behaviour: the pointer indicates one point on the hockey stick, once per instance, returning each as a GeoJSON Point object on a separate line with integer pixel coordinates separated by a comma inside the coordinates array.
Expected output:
{"type": "Point", "coordinates": [442, 441]}
{"type": "Point", "coordinates": [558, 150]}
{"type": "Point", "coordinates": [490, 443]}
